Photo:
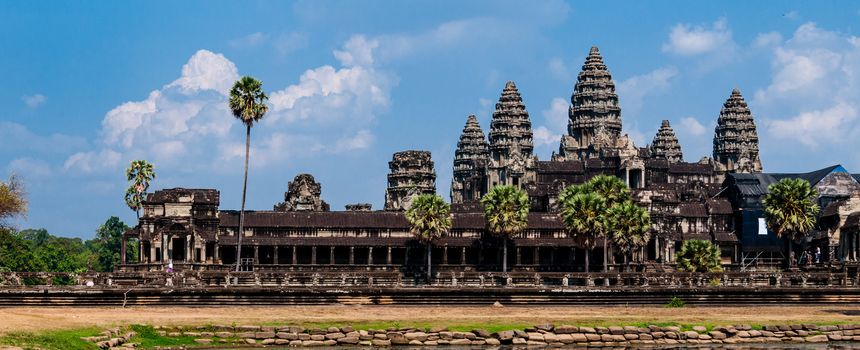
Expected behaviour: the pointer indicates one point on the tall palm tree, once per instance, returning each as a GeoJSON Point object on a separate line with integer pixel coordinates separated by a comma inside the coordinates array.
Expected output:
{"type": "Point", "coordinates": [697, 255]}
{"type": "Point", "coordinates": [614, 191]}
{"type": "Point", "coordinates": [248, 104]}
{"type": "Point", "coordinates": [583, 217]}
{"type": "Point", "coordinates": [630, 226]}
{"type": "Point", "coordinates": [506, 209]}
{"type": "Point", "coordinates": [790, 210]}
{"type": "Point", "coordinates": [430, 218]}
{"type": "Point", "coordinates": [139, 173]}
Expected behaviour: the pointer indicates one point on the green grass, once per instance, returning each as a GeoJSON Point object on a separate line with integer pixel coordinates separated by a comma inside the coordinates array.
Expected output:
{"type": "Point", "coordinates": [53, 340]}
{"type": "Point", "coordinates": [147, 337]}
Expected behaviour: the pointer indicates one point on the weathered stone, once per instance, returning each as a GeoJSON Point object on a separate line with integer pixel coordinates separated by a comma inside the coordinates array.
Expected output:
{"type": "Point", "coordinates": [545, 327]}
{"type": "Point", "coordinates": [461, 341]}
{"type": "Point", "coordinates": [381, 342]}
{"type": "Point", "coordinates": [700, 329]}
{"type": "Point", "coordinates": [616, 330]}
{"type": "Point", "coordinates": [267, 341]}
{"type": "Point", "coordinates": [250, 341]}
{"type": "Point", "coordinates": [593, 336]}
{"type": "Point", "coordinates": [587, 330]}
{"type": "Point", "coordinates": [717, 335]}
{"type": "Point", "coordinates": [821, 338]}
{"type": "Point", "coordinates": [482, 333]}
{"type": "Point", "coordinates": [505, 336]}
{"type": "Point", "coordinates": [565, 338]}
{"type": "Point", "coordinates": [348, 340]}
{"type": "Point", "coordinates": [264, 335]}
{"type": "Point", "coordinates": [579, 338]}
{"type": "Point", "coordinates": [491, 341]}
{"type": "Point", "coordinates": [335, 336]}
{"type": "Point", "coordinates": [691, 335]}
{"type": "Point", "coordinates": [247, 328]}
{"type": "Point", "coordinates": [550, 338]}
{"type": "Point", "coordinates": [646, 336]}
{"type": "Point", "coordinates": [519, 341]}
{"type": "Point", "coordinates": [630, 336]}
{"type": "Point", "coordinates": [536, 336]}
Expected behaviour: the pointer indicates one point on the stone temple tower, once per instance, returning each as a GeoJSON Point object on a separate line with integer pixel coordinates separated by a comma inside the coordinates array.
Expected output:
{"type": "Point", "coordinates": [411, 173]}
{"type": "Point", "coordinates": [470, 164]}
{"type": "Point", "coordinates": [511, 145]}
{"type": "Point", "coordinates": [735, 137]}
{"type": "Point", "coordinates": [595, 116]}
{"type": "Point", "coordinates": [665, 144]}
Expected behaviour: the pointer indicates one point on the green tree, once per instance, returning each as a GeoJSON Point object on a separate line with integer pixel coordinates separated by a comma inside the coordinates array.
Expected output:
{"type": "Point", "coordinates": [139, 173]}
{"type": "Point", "coordinates": [630, 228]}
{"type": "Point", "coordinates": [790, 210]}
{"type": "Point", "coordinates": [248, 104]}
{"type": "Point", "coordinates": [108, 243]}
{"type": "Point", "coordinates": [13, 202]}
{"type": "Point", "coordinates": [698, 255]}
{"type": "Point", "coordinates": [583, 216]}
{"type": "Point", "coordinates": [614, 191]}
{"type": "Point", "coordinates": [430, 218]}
{"type": "Point", "coordinates": [506, 209]}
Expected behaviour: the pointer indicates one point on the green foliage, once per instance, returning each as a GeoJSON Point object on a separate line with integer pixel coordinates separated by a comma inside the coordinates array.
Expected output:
{"type": "Point", "coordinates": [675, 302]}
{"type": "Point", "coordinates": [506, 209]}
{"type": "Point", "coordinates": [629, 226]}
{"type": "Point", "coordinates": [148, 338]}
{"type": "Point", "coordinates": [699, 256]}
{"type": "Point", "coordinates": [51, 340]}
{"type": "Point", "coordinates": [429, 217]}
{"type": "Point", "coordinates": [140, 173]}
{"type": "Point", "coordinates": [13, 202]}
{"type": "Point", "coordinates": [611, 188]}
{"type": "Point", "coordinates": [248, 101]}
{"type": "Point", "coordinates": [583, 215]}
{"type": "Point", "coordinates": [107, 244]}
{"type": "Point", "coordinates": [790, 208]}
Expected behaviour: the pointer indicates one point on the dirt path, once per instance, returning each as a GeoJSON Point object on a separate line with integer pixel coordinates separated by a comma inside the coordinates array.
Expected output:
{"type": "Point", "coordinates": [38, 319]}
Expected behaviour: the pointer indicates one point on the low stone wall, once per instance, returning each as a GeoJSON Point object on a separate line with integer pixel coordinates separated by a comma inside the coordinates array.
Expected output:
{"type": "Point", "coordinates": [537, 336]}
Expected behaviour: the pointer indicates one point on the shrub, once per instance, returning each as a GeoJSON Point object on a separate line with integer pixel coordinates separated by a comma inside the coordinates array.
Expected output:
{"type": "Point", "coordinates": [675, 302]}
{"type": "Point", "coordinates": [699, 256]}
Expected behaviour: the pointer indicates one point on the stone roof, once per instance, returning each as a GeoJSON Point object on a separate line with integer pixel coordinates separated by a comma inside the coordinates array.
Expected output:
{"type": "Point", "coordinates": [511, 127]}
{"type": "Point", "coordinates": [472, 149]}
{"type": "Point", "coordinates": [179, 195]}
{"type": "Point", "coordinates": [690, 168]}
{"type": "Point", "coordinates": [368, 220]}
{"type": "Point", "coordinates": [594, 101]}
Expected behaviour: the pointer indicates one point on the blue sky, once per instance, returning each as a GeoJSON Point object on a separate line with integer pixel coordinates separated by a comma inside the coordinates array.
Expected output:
{"type": "Point", "coordinates": [89, 86]}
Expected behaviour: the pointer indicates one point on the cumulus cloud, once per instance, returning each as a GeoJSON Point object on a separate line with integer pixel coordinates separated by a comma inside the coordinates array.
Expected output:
{"type": "Point", "coordinates": [632, 91]}
{"type": "Point", "coordinates": [689, 40]}
{"type": "Point", "coordinates": [34, 101]}
{"type": "Point", "coordinates": [692, 126]}
{"type": "Point", "coordinates": [768, 39]}
{"type": "Point", "coordinates": [558, 69]}
{"type": "Point", "coordinates": [555, 123]}
{"type": "Point", "coordinates": [206, 70]}
{"type": "Point", "coordinates": [812, 127]}
{"type": "Point", "coordinates": [89, 162]}
{"type": "Point", "coordinates": [358, 51]}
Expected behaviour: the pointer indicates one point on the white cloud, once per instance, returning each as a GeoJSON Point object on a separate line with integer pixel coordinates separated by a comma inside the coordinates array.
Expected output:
{"type": "Point", "coordinates": [689, 40]}
{"type": "Point", "coordinates": [792, 15]}
{"type": "Point", "coordinates": [555, 123]}
{"type": "Point", "coordinates": [29, 167]}
{"type": "Point", "coordinates": [813, 127]}
{"type": "Point", "coordinates": [34, 101]}
{"type": "Point", "coordinates": [692, 126]}
{"type": "Point", "coordinates": [17, 138]}
{"type": "Point", "coordinates": [363, 139]}
{"type": "Point", "coordinates": [358, 51]}
{"type": "Point", "coordinates": [90, 162]}
{"type": "Point", "coordinates": [288, 43]}
{"type": "Point", "coordinates": [206, 71]}
{"type": "Point", "coordinates": [768, 39]}
{"type": "Point", "coordinates": [632, 91]}
{"type": "Point", "coordinates": [250, 40]}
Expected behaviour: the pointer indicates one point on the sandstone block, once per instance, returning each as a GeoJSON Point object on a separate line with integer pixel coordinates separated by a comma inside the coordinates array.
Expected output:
{"type": "Point", "coordinates": [505, 336]}
{"type": "Point", "coordinates": [821, 338]}
{"type": "Point", "coordinates": [264, 335]}
{"type": "Point", "coordinates": [566, 329]}
{"type": "Point", "coordinates": [381, 342]}
{"type": "Point", "coordinates": [489, 341]}
{"type": "Point", "coordinates": [348, 340]}
{"type": "Point", "coordinates": [203, 341]}
{"type": "Point", "coordinates": [461, 341]}
{"type": "Point", "coordinates": [483, 333]}
{"type": "Point", "coordinates": [519, 341]}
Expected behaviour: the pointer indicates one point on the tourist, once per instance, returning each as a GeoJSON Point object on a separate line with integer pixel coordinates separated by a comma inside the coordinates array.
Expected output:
{"type": "Point", "coordinates": [170, 267]}
{"type": "Point", "coordinates": [817, 255]}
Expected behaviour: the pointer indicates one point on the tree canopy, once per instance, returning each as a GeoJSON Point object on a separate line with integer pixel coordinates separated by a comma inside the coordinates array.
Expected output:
{"type": "Point", "coordinates": [790, 208]}
{"type": "Point", "coordinates": [13, 201]}
{"type": "Point", "coordinates": [699, 256]}
{"type": "Point", "coordinates": [429, 217]}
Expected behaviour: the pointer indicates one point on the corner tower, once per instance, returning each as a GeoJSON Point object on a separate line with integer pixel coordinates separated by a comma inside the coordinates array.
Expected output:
{"type": "Point", "coordinates": [665, 144]}
{"type": "Point", "coordinates": [511, 145]}
{"type": "Point", "coordinates": [735, 137]}
{"type": "Point", "coordinates": [411, 174]}
{"type": "Point", "coordinates": [594, 116]}
{"type": "Point", "coordinates": [470, 163]}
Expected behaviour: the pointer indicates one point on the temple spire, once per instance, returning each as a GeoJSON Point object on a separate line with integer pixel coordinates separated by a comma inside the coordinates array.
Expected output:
{"type": "Point", "coordinates": [595, 116]}
{"type": "Point", "coordinates": [665, 144]}
{"type": "Point", "coordinates": [470, 162]}
{"type": "Point", "coordinates": [735, 137]}
{"type": "Point", "coordinates": [511, 127]}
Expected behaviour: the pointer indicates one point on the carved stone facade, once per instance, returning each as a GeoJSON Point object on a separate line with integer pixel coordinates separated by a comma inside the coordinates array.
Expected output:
{"type": "Point", "coordinates": [665, 145]}
{"type": "Point", "coordinates": [511, 159]}
{"type": "Point", "coordinates": [411, 174]}
{"type": "Point", "coordinates": [179, 224]}
{"type": "Point", "coordinates": [303, 194]}
{"type": "Point", "coordinates": [735, 137]}
{"type": "Point", "coordinates": [470, 163]}
{"type": "Point", "coordinates": [359, 207]}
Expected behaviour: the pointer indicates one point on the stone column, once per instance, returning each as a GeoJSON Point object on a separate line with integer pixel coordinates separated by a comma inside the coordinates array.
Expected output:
{"type": "Point", "coordinates": [313, 255]}
{"type": "Point", "coordinates": [165, 247]}
{"type": "Point", "coordinates": [463, 256]}
{"type": "Point", "coordinates": [627, 177]}
{"type": "Point", "coordinates": [370, 255]}
{"type": "Point", "coordinates": [388, 257]}
{"type": "Point", "coordinates": [275, 256]}
{"type": "Point", "coordinates": [122, 249]}
{"type": "Point", "coordinates": [216, 255]}
{"type": "Point", "coordinates": [256, 254]}
{"type": "Point", "coordinates": [351, 256]}
{"type": "Point", "coordinates": [189, 254]}
{"type": "Point", "coordinates": [203, 252]}
{"type": "Point", "coordinates": [295, 255]}
{"type": "Point", "coordinates": [331, 255]}
{"type": "Point", "coordinates": [445, 255]}
{"type": "Point", "coordinates": [519, 256]}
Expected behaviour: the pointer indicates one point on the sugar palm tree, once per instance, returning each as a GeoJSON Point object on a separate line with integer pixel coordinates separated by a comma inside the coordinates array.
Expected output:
{"type": "Point", "coordinates": [506, 209]}
{"type": "Point", "coordinates": [583, 217]}
{"type": "Point", "coordinates": [430, 218]}
{"type": "Point", "coordinates": [139, 173]}
{"type": "Point", "coordinates": [790, 210]}
{"type": "Point", "coordinates": [697, 255]}
{"type": "Point", "coordinates": [248, 104]}
{"type": "Point", "coordinates": [614, 191]}
{"type": "Point", "coordinates": [630, 226]}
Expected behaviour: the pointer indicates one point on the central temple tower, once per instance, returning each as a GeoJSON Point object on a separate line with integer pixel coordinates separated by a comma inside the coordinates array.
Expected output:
{"type": "Point", "coordinates": [511, 145]}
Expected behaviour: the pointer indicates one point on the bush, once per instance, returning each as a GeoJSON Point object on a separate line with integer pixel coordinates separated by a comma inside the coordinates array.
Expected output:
{"type": "Point", "coordinates": [699, 256]}
{"type": "Point", "coordinates": [675, 302]}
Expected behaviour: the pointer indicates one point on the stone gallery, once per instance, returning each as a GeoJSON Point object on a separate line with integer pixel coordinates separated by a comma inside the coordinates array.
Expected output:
{"type": "Point", "coordinates": [716, 198]}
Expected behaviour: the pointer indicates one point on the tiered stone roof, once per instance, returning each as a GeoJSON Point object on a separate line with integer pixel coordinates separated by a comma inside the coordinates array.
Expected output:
{"type": "Point", "coordinates": [735, 137]}
{"type": "Point", "coordinates": [595, 104]}
{"type": "Point", "coordinates": [665, 144]}
{"type": "Point", "coordinates": [511, 128]}
{"type": "Point", "coordinates": [411, 173]}
{"type": "Point", "coordinates": [472, 149]}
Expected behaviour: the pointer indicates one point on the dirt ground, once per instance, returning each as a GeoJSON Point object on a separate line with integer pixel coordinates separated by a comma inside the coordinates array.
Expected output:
{"type": "Point", "coordinates": [49, 318]}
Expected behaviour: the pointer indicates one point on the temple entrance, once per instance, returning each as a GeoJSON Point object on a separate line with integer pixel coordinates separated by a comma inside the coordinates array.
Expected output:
{"type": "Point", "coordinates": [178, 251]}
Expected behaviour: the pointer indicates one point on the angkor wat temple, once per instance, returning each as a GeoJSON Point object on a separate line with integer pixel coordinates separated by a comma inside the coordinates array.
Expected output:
{"type": "Point", "coordinates": [716, 198]}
